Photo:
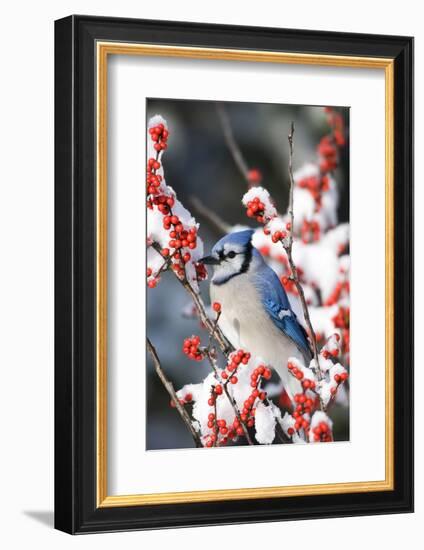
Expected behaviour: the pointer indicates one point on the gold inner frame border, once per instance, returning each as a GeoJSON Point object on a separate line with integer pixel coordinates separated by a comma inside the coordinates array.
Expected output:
{"type": "Point", "coordinates": [103, 50]}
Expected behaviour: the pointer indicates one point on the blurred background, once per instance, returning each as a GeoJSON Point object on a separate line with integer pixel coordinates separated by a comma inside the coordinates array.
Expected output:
{"type": "Point", "coordinates": [198, 165]}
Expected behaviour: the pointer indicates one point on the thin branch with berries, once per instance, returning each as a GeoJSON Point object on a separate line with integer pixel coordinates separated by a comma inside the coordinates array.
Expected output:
{"type": "Point", "coordinates": [288, 245]}
{"type": "Point", "coordinates": [211, 356]}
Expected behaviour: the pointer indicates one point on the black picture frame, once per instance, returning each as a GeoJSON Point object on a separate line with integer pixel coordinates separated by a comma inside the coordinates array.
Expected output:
{"type": "Point", "coordinates": [76, 510]}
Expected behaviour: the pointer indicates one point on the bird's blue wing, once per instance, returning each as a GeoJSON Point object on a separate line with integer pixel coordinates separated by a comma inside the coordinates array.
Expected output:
{"type": "Point", "coordinates": [277, 305]}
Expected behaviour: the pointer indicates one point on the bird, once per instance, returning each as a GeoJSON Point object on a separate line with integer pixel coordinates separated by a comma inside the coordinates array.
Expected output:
{"type": "Point", "coordinates": [255, 313]}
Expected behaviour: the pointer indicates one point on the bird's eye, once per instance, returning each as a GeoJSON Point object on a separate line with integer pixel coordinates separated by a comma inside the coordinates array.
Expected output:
{"type": "Point", "coordinates": [231, 254]}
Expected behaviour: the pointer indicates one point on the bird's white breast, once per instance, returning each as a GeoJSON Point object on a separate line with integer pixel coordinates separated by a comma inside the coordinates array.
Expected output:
{"type": "Point", "coordinates": [247, 325]}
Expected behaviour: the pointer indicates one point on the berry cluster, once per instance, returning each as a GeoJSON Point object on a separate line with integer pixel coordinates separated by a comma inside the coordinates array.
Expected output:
{"type": "Point", "coordinates": [248, 411]}
{"type": "Point", "coordinates": [340, 378]}
{"type": "Point", "coordinates": [159, 134]}
{"type": "Point", "coordinates": [153, 179]}
{"type": "Point", "coordinates": [298, 373]}
{"type": "Point", "coordinates": [237, 358]}
{"type": "Point", "coordinates": [342, 321]}
{"type": "Point", "coordinates": [222, 432]}
{"type": "Point", "coordinates": [335, 121]}
{"type": "Point", "coordinates": [218, 427]}
{"type": "Point", "coordinates": [280, 235]}
{"type": "Point", "coordinates": [329, 144]}
{"type": "Point", "coordinates": [183, 238]}
{"type": "Point", "coordinates": [337, 379]}
{"type": "Point", "coordinates": [310, 231]}
{"type": "Point", "coordinates": [256, 209]}
{"type": "Point", "coordinates": [152, 281]}
{"type": "Point", "coordinates": [304, 402]}
{"type": "Point", "coordinates": [191, 348]}
{"type": "Point", "coordinates": [322, 432]}
{"type": "Point", "coordinates": [316, 185]}
{"type": "Point", "coordinates": [327, 151]}
{"type": "Point", "coordinates": [181, 241]}
{"type": "Point", "coordinates": [339, 289]}
{"type": "Point", "coordinates": [331, 347]}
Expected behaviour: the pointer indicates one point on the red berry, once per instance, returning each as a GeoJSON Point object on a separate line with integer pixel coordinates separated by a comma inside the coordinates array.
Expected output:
{"type": "Point", "coordinates": [254, 175]}
{"type": "Point", "coordinates": [216, 307]}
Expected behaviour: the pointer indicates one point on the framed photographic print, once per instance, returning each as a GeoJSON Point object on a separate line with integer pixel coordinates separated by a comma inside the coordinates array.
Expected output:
{"type": "Point", "coordinates": [234, 274]}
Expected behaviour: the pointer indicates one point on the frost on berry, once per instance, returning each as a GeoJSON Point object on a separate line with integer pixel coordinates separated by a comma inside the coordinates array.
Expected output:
{"type": "Point", "coordinates": [321, 428]}
{"type": "Point", "coordinates": [259, 205]}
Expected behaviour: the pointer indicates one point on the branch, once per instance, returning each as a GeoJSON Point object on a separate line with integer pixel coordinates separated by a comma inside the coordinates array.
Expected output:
{"type": "Point", "coordinates": [170, 389]}
{"type": "Point", "coordinates": [197, 299]}
{"type": "Point", "coordinates": [288, 248]}
{"type": "Point", "coordinates": [232, 144]}
{"type": "Point", "coordinates": [214, 220]}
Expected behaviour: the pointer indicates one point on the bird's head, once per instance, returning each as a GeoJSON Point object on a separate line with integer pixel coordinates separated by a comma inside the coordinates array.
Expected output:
{"type": "Point", "coordinates": [230, 256]}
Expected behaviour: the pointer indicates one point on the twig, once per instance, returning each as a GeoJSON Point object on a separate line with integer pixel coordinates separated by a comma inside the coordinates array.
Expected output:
{"type": "Point", "coordinates": [165, 265]}
{"type": "Point", "coordinates": [219, 336]}
{"type": "Point", "coordinates": [214, 327]}
{"type": "Point", "coordinates": [212, 217]}
{"type": "Point", "coordinates": [170, 389]}
{"type": "Point", "coordinates": [288, 245]}
{"type": "Point", "coordinates": [215, 422]}
{"type": "Point", "coordinates": [232, 144]}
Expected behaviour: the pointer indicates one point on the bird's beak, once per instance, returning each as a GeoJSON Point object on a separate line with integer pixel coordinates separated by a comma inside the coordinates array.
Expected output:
{"type": "Point", "coordinates": [209, 260]}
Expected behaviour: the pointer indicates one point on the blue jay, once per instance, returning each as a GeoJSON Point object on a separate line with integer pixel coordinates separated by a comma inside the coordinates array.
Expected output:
{"type": "Point", "coordinates": [256, 313]}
